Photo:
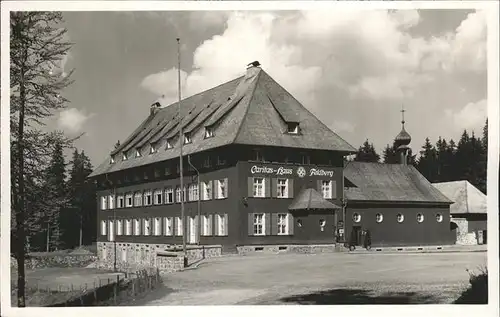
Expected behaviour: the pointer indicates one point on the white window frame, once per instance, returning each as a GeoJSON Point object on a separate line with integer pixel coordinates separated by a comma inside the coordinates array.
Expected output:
{"type": "Point", "coordinates": [168, 225]}
{"type": "Point", "coordinates": [209, 132]}
{"type": "Point", "coordinates": [259, 183]}
{"type": "Point", "coordinates": [111, 202]}
{"type": "Point", "coordinates": [282, 223]}
{"type": "Point", "coordinates": [259, 221]}
{"type": "Point", "coordinates": [124, 157]}
{"type": "Point", "coordinates": [112, 160]}
{"type": "Point", "coordinates": [138, 199]}
{"type": "Point", "coordinates": [104, 228]}
{"type": "Point", "coordinates": [169, 199]}
{"type": "Point", "coordinates": [207, 190]}
{"type": "Point", "coordinates": [152, 149]}
{"type": "Point", "coordinates": [356, 217]}
{"type": "Point", "coordinates": [120, 201]}
{"type": "Point", "coordinates": [179, 230]}
{"type": "Point", "coordinates": [439, 218]}
{"type": "Point", "coordinates": [119, 227]}
{"type": "Point", "coordinates": [137, 227]}
{"type": "Point", "coordinates": [104, 202]}
{"type": "Point", "coordinates": [221, 225]}
{"type": "Point", "coordinates": [129, 200]}
{"type": "Point", "coordinates": [294, 126]}
{"type": "Point", "coordinates": [207, 162]}
{"type": "Point", "coordinates": [178, 194]}
{"type": "Point", "coordinates": [128, 227]}
{"type": "Point", "coordinates": [258, 156]}
{"type": "Point", "coordinates": [146, 227]}
{"type": "Point", "coordinates": [169, 144]}
{"type": "Point", "coordinates": [400, 219]}
{"type": "Point", "coordinates": [206, 225]}
{"type": "Point", "coordinates": [157, 226]}
{"type": "Point", "coordinates": [279, 186]}
{"type": "Point", "coordinates": [422, 217]}
{"type": "Point", "coordinates": [222, 189]}
{"type": "Point", "coordinates": [138, 153]}
{"type": "Point", "coordinates": [379, 217]}
{"type": "Point", "coordinates": [187, 138]}
{"type": "Point", "coordinates": [326, 189]}
{"type": "Point", "coordinates": [158, 197]}
{"type": "Point", "coordinates": [111, 230]}
{"type": "Point", "coordinates": [148, 194]}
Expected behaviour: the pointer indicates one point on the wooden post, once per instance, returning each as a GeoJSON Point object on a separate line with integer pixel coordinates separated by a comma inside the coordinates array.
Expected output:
{"type": "Point", "coordinates": [133, 287]}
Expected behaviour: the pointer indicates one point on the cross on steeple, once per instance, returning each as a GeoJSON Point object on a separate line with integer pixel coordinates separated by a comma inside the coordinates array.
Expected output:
{"type": "Point", "coordinates": [403, 115]}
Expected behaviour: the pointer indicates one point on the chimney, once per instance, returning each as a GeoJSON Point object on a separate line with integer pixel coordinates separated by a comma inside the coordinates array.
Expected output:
{"type": "Point", "coordinates": [252, 69]}
{"type": "Point", "coordinates": [154, 108]}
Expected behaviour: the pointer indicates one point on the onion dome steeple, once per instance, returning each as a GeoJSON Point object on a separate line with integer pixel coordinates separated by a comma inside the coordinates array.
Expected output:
{"type": "Point", "coordinates": [402, 140]}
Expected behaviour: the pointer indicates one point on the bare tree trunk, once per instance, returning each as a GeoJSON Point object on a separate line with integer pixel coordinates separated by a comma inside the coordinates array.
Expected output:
{"type": "Point", "coordinates": [48, 237]}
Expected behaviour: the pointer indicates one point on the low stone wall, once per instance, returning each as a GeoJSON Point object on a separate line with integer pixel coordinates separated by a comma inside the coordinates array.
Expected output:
{"type": "Point", "coordinates": [464, 237]}
{"type": "Point", "coordinates": [133, 256]}
{"type": "Point", "coordinates": [303, 249]}
{"type": "Point", "coordinates": [68, 260]}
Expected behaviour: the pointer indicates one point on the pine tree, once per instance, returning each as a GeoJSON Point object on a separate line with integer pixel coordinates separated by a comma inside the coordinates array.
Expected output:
{"type": "Point", "coordinates": [367, 153]}
{"type": "Point", "coordinates": [390, 155]}
{"type": "Point", "coordinates": [427, 163]}
{"type": "Point", "coordinates": [484, 160]}
{"type": "Point", "coordinates": [37, 47]}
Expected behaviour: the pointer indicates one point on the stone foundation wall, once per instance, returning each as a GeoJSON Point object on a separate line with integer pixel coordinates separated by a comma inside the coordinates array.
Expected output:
{"type": "Point", "coordinates": [133, 256]}
{"type": "Point", "coordinates": [304, 249]}
{"type": "Point", "coordinates": [464, 237]}
{"type": "Point", "coordinates": [38, 262]}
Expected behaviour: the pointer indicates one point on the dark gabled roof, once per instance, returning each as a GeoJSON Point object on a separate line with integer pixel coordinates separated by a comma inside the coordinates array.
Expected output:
{"type": "Point", "coordinates": [390, 183]}
{"type": "Point", "coordinates": [252, 109]}
{"type": "Point", "coordinates": [467, 198]}
{"type": "Point", "coordinates": [310, 199]}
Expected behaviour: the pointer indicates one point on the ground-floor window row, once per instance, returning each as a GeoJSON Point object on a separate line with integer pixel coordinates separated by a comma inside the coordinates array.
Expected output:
{"type": "Point", "coordinates": [211, 225]}
{"type": "Point", "coordinates": [207, 190]}
{"type": "Point", "coordinates": [379, 217]}
{"type": "Point", "coordinates": [266, 187]}
{"type": "Point", "coordinates": [265, 224]}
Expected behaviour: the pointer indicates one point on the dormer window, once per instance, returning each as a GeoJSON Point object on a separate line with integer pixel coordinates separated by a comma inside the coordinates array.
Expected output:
{"type": "Point", "coordinates": [293, 128]}
{"type": "Point", "coordinates": [209, 132]}
{"type": "Point", "coordinates": [152, 149]}
{"type": "Point", "coordinates": [124, 156]}
{"type": "Point", "coordinates": [169, 144]}
{"type": "Point", "coordinates": [112, 160]}
{"type": "Point", "coordinates": [187, 138]}
{"type": "Point", "coordinates": [137, 153]}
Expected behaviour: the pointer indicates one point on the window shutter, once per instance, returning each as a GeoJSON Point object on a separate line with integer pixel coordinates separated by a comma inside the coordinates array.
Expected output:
{"type": "Point", "coordinates": [291, 223]}
{"type": "Point", "coordinates": [267, 186]}
{"type": "Point", "coordinates": [226, 228]}
{"type": "Point", "coordinates": [274, 224]}
{"type": "Point", "coordinates": [226, 183]}
{"type": "Point", "coordinates": [250, 187]}
{"type": "Point", "coordinates": [216, 189]}
{"type": "Point", "coordinates": [216, 225]}
{"type": "Point", "coordinates": [290, 188]}
{"type": "Point", "coordinates": [250, 224]}
{"type": "Point", "coordinates": [274, 187]}
{"type": "Point", "coordinates": [268, 224]}
{"type": "Point", "coordinates": [334, 189]}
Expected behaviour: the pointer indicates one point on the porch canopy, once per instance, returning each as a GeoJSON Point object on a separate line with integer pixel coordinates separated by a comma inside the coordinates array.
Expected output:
{"type": "Point", "coordinates": [310, 199]}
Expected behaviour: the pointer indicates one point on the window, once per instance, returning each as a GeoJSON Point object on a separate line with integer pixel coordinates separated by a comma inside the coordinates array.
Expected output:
{"type": "Point", "coordinates": [112, 160]}
{"type": "Point", "coordinates": [111, 233]}
{"type": "Point", "coordinates": [282, 188]}
{"type": "Point", "coordinates": [152, 149]}
{"type": "Point", "coordinates": [193, 192]}
{"type": "Point", "coordinates": [209, 132]}
{"type": "Point", "coordinates": [103, 227]}
{"type": "Point", "coordinates": [439, 218]}
{"type": "Point", "coordinates": [104, 201]}
{"type": "Point", "coordinates": [206, 188]}
{"type": "Point", "coordinates": [379, 218]}
{"type": "Point", "coordinates": [137, 227]}
{"type": "Point", "coordinates": [400, 218]}
{"type": "Point", "coordinates": [356, 217]}
{"type": "Point", "coordinates": [147, 227]}
{"type": "Point", "coordinates": [293, 128]}
{"type": "Point", "coordinates": [221, 225]}
{"type": "Point", "coordinates": [258, 156]}
{"type": "Point", "coordinates": [119, 227]}
{"type": "Point", "coordinates": [178, 194]}
{"type": "Point", "coordinates": [178, 232]}
{"type": "Point", "coordinates": [282, 224]}
{"type": "Point", "coordinates": [420, 217]}
{"type": "Point", "coordinates": [206, 226]}
{"type": "Point", "coordinates": [157, 227]}
{"type": "Point", "coordinates": [148, 199]}
{"type": "Point", "coordinates": [168, 226]}
{"type": "Point", "coordinates": [220, 161]}
{"type": "Point", "coordinates": [169, 144]}
{"type": "Point", "coordinates": [258, 224]}
{"type": "Point", "coordinates": [129, 200]}
{"type": "Point", "coordinates": [326, 189]}
{"type": "Point", "coordinates": [124, 156]}
{"type": "Point", "coordinates": [187, 138]}
{"type": "Point", "coordinates": [137, 153]}
{"type": "Point", "coordinates": [206, 162]}
{"type": "Point", "coordinates": [222, 188]}
{"type": "Point", "coordinates": [138, 199]}
{"type": "Point", "coordinates": [111, 201]}
{"type": "Point", "coordinates": [157, 173]}
{"type": "Point", "coordinates": [128, 227]}
{"type": "Point", "coordinates": [168, 171]}
{"type": "Point", "coordinates": [120, 201]}
{"type": "Point", "coordinates": [169, 195]}
{"type": "Point", "coordinates": [306, 159]}
{"type": "Point", "coordinates": [158, 197]}
{"type": "Point", "coordinates": [258, 187]}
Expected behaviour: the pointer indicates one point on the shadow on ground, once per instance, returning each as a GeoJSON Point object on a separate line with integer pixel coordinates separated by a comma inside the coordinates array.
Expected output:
{"type": "Point", "coordinates": [356, 297]}
{"type": "Point", "coordinates": [143, 299]}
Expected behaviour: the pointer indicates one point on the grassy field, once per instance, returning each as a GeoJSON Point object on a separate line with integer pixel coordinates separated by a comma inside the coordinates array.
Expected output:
{"type": "Point", "coordinates": [321, 279]}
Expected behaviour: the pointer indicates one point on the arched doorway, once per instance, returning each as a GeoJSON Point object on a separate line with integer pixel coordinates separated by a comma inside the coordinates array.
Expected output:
{"type": "Point", "coordinates": [453, 231]}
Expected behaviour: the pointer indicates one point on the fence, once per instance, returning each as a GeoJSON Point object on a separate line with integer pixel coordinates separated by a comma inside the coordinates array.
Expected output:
{"type": "Point", "coordinates": [117, 291]}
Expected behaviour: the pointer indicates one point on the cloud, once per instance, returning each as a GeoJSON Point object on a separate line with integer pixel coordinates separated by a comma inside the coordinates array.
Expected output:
{"type": "Point", "coordinates": [164, 83]}
{"type": "Point", "coordinates": [72, 120]}
{"type": "Point", "coordinates": [471, 117]}
{"type": "Point", "coordinates": [366, 54]}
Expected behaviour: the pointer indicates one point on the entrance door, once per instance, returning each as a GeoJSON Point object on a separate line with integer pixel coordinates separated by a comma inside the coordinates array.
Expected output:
{"type": "Point", "coordinates": [192, 230]}
{"type": "Point", "coordinates": [355, 238]}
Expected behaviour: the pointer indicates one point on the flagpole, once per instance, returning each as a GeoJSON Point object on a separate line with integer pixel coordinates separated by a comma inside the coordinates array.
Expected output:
{"type": "Point", "coordinates": [181, 141]}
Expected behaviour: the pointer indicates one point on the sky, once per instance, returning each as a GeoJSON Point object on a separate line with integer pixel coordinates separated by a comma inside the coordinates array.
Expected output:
{"type": "Point", "coordinates": [353, 69]}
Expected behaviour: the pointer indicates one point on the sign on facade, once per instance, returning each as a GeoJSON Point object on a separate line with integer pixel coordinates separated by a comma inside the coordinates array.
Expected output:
{"type": "Point", "coordinates": [300, 171]}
